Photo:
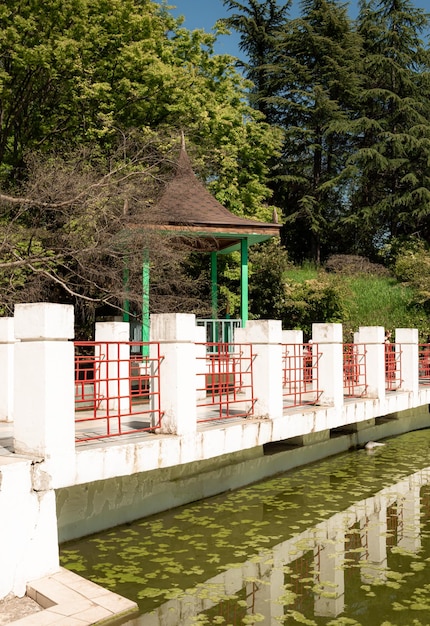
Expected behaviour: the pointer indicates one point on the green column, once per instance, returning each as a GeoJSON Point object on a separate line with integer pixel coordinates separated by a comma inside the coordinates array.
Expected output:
{"type": "Point", "coordinates": [244, 280]}
{"type": "Point", "coordinates": [214, 285]}
{"type": "Point", "coordinates": [145, 297]}
{"type": "Point", "coordinates": [126, 304]}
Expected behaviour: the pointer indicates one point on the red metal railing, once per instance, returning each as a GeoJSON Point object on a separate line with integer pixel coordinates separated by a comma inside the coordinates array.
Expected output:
{"type": "Point", "coordinates": [224, 381]}
{"type": "Point", "coordinates": [117, 388]}
{"type": "Point", "coordinates": [393, 366]}
{"type": "Point", "coordinates": [300, 378]}
{"type": "Point", "coordinates": [424, 363]}
{"type": "Point", "coordinates": [354, 370]}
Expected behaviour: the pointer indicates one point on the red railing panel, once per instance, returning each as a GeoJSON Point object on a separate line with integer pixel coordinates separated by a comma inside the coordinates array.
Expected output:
{"type": "Point", "coordinates": [393, 366]}
{"type": "Point", "coordinates": [424, 363]}
{"type": "Point", "coordinates": [300, 374]}
{"type": "Point", "coordinates": [354, 370]}
{"type": "Point", "coordinates": [117, 388]}
{"type": "Point", "coordinates": [224, 381]}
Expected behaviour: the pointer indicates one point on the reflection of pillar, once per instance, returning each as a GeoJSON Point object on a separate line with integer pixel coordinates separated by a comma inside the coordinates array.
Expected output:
{"type": "Point", "coordinates": [269, 590]}
{"type": "Point", "coordinates": [329, 562]}
{"type": "Point", "coordinates": [409, 515]}
{"type": "Point", "coordinates": [373, 539]}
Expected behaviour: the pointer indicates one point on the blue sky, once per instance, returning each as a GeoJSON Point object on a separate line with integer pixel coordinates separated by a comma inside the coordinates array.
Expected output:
{"type": "Point", "coordinates": [204, 14]}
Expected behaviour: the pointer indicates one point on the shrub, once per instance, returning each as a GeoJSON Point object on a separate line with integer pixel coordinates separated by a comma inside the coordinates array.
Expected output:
{"type": "Point", "coordinates": [317, 300]}
{"type": "Point", "coordinates": [353, 264]}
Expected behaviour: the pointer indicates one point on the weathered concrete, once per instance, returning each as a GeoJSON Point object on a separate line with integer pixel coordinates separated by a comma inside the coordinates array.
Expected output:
{"type": "Point", "coordinates": [102, 484]}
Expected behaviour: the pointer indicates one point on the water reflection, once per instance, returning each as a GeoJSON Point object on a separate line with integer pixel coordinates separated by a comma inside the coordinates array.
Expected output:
{"type": "Point", "coordinates": [367, 563]}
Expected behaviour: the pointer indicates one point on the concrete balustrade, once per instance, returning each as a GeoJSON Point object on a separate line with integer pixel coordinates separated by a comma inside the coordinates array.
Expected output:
{"type": "Point", "coordinates": [37, 391]}
{"type": "Point", "coordinates": [176, 335]}
{"type": "Point", "coordinates": [266, 339]}
{"type": "Point", "coordinates": [44, 413]}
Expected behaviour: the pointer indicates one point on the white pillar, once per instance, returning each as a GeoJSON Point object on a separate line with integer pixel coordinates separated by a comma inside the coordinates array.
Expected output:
{"type": "Point", "coordinates": [266, 339]}
{"type": "Point", "coordinates": [175, 332]}
{"type": "Point", "coordinates": [112, 374]}
{"type": "Point", "coordinates": [407, 344]}
{"type": "Point", "coordinates": [28, 520]}
{"type": "Point", "coordinates": [373, 338]}
{"type": "Point", "coordinates": [327, 340]}
{"type": "Point", "coordinates": [7, 355]}
{"type": "Point", "coordinates": [44, 387]}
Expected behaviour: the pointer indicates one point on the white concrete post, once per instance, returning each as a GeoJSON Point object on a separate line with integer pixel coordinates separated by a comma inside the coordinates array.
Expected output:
{"type": "Point", "coordinates": [407, 344]}
{"type": "Point", "coordinates": [112, 374]}
{"type": "Point", "coordinates": [7, 355]}
{"type": "Point", "coordinates": [175, 332]}
{"type": "Point", "coordinates": [44, 386]}
{"type": "Point", "coordinates": [373, 338]}
{"type": "Point", "coordinates": [266, 339]}
{"type": "Point", "coordinates": [28, 537]}
{"type": "Point", "coordinates": [327, 340]}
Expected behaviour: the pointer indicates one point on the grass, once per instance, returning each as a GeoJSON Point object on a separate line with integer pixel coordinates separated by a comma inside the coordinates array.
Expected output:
{"type": "Point", "coordinates": [371, 301]}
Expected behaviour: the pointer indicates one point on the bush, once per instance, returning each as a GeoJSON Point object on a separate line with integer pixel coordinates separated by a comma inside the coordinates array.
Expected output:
{"type": "Point", "coordinates": [317, 300]}
{"type": "Point", "coordinates": [268, 266]}
{"type": "Point", "coordinates": [352, 264]}
{"type": "Point", "coordinates": [413, 267]}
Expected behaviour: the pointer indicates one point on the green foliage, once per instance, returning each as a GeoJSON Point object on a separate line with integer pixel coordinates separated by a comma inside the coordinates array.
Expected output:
{"type": "Point", "coordinates": [76, 75]}
{"type": "Point", "coordinates": [379, 301]}
{"type": "Point", "coordinates": [268, 266]}
{"type": "Point", "coordinates": [390, 173]}
{"type": "Point", "coordinates": [412, 267]}
{"type": "Point", "coordinates": [315, 300]}
{"type": "Point", "coordinates": [358, 294]}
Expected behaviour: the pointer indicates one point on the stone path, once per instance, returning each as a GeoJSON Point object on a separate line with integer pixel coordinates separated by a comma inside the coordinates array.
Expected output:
{"type": "Point", "coordinates": [64, 599]}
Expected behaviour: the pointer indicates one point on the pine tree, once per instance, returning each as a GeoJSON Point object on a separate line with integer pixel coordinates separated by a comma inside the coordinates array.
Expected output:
{"type": "Point", "coordinates": [317, 84]}
{"type": "Point", "coordinates": [259, 24]}
{"type": "Point", "coordinates": [390, 189]}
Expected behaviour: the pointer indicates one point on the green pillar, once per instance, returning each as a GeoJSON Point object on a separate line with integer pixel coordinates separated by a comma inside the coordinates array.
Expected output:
{"type": "Point", "coordinates": [145, 297]}
{"type": "Point", "coordinates": [244, 280]}
{"type": "Point", "coordinates": [126, 305]}
{"type": "Point", "coordinates": [214, 285]}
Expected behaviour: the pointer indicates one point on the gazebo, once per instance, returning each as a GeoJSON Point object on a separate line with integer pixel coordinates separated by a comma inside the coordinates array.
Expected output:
{"type": "Point", "coordinates": [191, 209]}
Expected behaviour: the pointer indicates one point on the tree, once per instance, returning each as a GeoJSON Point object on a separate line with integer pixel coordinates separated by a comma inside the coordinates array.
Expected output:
{"type": "Point", "coordinates": [390, 188]}
{"type": "Point", "coordinates": [75, 76]}
{"type": "Point", "coordinates": [80, 222]}
{"type": "Point", "coordinates": [77, 71]}
{"type": "Point", "coordinates": [315, 87]}
{"type": "Point", "coordinates": [259, 24]}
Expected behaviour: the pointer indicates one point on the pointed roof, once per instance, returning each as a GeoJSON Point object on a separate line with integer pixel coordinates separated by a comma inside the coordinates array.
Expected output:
{"type": "Point", "coordinates": [190, 207]}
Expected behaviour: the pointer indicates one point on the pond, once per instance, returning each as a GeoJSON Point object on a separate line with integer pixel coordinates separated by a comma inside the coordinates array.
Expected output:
{"type": "Point", "coordinates": [345, 540]}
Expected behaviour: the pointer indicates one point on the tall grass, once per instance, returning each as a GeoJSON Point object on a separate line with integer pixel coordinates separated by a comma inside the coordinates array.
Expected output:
{"type": "Point", "coordinates": [371, 301]}
{"type": "Point", "coordinates": [381, 301]}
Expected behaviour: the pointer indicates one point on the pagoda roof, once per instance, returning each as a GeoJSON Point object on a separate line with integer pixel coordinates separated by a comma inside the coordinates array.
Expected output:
{"type": "Point", "coordinates": [190, 208]}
